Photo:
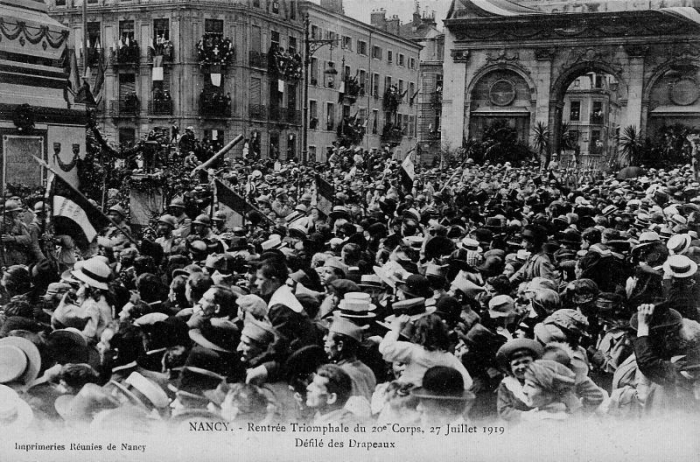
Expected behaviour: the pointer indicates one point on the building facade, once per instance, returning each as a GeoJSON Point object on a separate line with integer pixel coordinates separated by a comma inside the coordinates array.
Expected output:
{"type": "Point", "coordinates": [362, 90]}
{"type": "Point", "coordinates": [515, 62]}
{"type": "Point", "coordinates": [592, 113]}
{"type": "Point", "coordinates": [423, 30]}
{"type": "Point", "coordinates": [226, 68]}
{"type": "Point", "coordinates": [211, 65]}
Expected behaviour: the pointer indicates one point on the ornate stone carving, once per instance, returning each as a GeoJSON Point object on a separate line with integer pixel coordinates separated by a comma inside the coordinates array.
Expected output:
{"type": "Point", "coordinates": [460, 56]}
{"type": "Point", "coordinates": [591, 56]}
{"type": "Point", "coordinates": [502, 57]}
{"type": "Point", "coordinates": [636, 51]}
{"type": "Point", "coordinates": [545, 54]}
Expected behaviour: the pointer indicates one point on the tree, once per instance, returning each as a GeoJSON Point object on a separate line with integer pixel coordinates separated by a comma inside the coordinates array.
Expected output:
{"type": "Point", "coordinates": [540, 139]}
{"type": "Point", "coordinates": [631, 145]}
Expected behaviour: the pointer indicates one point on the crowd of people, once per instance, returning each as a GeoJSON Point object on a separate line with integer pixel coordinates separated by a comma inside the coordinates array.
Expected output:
{"type": "Point", "coordinates": [483, 293]}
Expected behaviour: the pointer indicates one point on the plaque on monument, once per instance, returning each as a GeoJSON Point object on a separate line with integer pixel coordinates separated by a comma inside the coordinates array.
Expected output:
{"type": "Point", "coordinates": [18, 165]}
{"type": "Point", "coordinates": [685, 92]}
{"type": "Point", "coordinates": [502, 93]}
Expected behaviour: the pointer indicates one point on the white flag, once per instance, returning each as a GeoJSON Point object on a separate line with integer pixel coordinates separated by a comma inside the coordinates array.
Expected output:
{"type": "Point", "coordinates": [216, 79]}
{"type": "Point", "coordinates": [280, 86]}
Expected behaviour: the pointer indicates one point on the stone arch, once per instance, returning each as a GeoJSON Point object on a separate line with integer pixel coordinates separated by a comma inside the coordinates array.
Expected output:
{"type": "Point", "coordinates": [525, 97]}
{"type": "Point", "coordinates": [561, 84]}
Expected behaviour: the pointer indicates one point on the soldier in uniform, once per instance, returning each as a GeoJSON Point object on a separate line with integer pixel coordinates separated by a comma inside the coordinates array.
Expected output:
{"type": "Point", "coordinates": [281, 205]}
{"type": "Point", "coordinates": [115, 236]}
{"type": "Point", "coordinates": [183, 223]}
{"type": "Point", "coordinates": [16, 240]}
{"type": "Point", "coordinates": [36, 230]}
{"type": "Point", "coordinates": [220, 223]}
{"type": "Point", "coordinates": [166, 236]}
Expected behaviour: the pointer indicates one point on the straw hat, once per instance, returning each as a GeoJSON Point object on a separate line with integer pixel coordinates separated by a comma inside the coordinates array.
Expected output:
{"type": "Point", "coordinates": [94, 272]}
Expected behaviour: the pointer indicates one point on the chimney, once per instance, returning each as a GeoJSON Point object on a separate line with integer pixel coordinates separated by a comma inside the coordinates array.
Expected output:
{"type": "Point", "coordinates": [378, 18]}
{"type": "Point", "coordinates": [336, 6]}
{"type": "Point", "coordinates": [393, 25]}
{"type": "Point", "coordinates": [416, 17]}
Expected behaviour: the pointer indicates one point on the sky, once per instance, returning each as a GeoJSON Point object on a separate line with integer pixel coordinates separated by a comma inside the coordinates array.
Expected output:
{"type": "Point", "coordinates": [361, 9]}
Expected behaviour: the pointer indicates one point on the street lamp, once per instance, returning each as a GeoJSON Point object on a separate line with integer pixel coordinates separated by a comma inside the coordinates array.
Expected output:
{"type": "Point", "coordinates": [311, 46]}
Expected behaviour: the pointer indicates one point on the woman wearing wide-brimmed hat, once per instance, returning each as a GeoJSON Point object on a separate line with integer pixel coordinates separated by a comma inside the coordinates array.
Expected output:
{"type": "Point", "coordinates": [94, 275]}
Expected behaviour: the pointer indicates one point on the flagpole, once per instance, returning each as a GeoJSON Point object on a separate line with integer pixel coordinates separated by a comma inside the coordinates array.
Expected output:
{"type": "Point", "coordinates": [85, 56]}
{"type": "Point", "coordinates": [82, 196]}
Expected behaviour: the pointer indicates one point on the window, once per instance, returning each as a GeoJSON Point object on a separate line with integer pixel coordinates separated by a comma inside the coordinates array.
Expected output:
{"type": "Point", "coordinates": [599, 81]}
{"type": "Point", "coordinates": [292, 44]}
{"type": "Point", "coordinates": [347, 43]}
{"type": "Point", "coordinates": [256, 3]}
{"type": "Point", "coordinates": [93, 30]}
{"type": "Point", "coordinates": [362, 47]}
{"type": "Point", "coordinates": [313, 114]}
{"type": "Point", "coordinates": [575, 113]}
{"type": "Point", "coordinates": [126, 31]}
{"type": "Point", "coordinates": [376, 52]}
{"type": "Point", "coordinates": [60, 2]}
{"type": "Point", "coordinates": [402, 60]}
{"type": "Point", "coordinates": [362, 114]}
{"type": "Point", "coordinates": [330, 35]}
{"type": "Point", "coordinates": [275, 38]}
{"type": "Point", "coordinates": [412, 63]}
{"type": "Point", "coordinates": [389, 56]}
{"type": "Point", "coordinates": [330, 116]}
{"type": "Point", "coordinates": [330, 76]}
{"type": "Point", "coordinates": [411, 91]}
{"type": "Point", "coordinates": [411, 123]}
{"type": "Point", "coordinates": [292, 9]}
{"type": "Point", "coordinates": [400, 87]}
{"type": "Point", "coordinates": [375, 85]}
{"type": "Point", "coordinates": [214, 26]}
{"type": "Point", "coordinates": [347, 71]}
{"type": "Point", "coordinates": [597, 113]}
{"type": "Point", "coordinates": [256, 39]}
{"type": "Point", "coordinates": [596, 146]}
{"type": "Point", "coordinates": [215, 137]}
{"type": "Point", "coordinates": [275, 7]}
{"type": "Point", "coordinates": [387, 83]}
{"type": "Point", "coordinates": [346, 111]}
{"type": "Point", "coordinates": [161, 30]}
{"type": "Point", "coordinates": [312, 153]}
{"type": "Point", "coordinates": [314, 32]}
{"type": "Point", "coordinates": [375, 121]}
{"type": "Point", "coordinates": [363, 82]}
{"type": "Point", "coordinates": [314, 71]}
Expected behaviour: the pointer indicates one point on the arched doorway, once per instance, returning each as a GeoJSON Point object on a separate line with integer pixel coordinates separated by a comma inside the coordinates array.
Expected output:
{"type": "Point", "coordinates": [586, 111]}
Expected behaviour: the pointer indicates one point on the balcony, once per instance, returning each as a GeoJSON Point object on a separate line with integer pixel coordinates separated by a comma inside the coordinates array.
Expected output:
{"type": "Point", "coordinates": [391, 134]}
{"type": "Point", "coordinates": [294, 116]}
{"type": "Point", "coordinates": [597, 118]}
{"type": "Point", "coordinates": [257, 111]}
{"type": "Point", "coordinates": [126, 107]}
{"type": "Point", "coordinates": [214, 104]}
{"type": "Point", "coordinates": [258, 59]}
{"type": "Point", "coordinates": [126, 55]}
{"type": "Point", "coordinates": [160, 107]}
{"type": "Point", "coordinates": [278, 113]}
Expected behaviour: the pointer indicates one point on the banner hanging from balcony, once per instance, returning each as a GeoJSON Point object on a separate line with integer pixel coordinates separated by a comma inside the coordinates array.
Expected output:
{"type": "Point", "coordinates": [215, 75]}
{"type": "Point", "coordinates": [158, 68]}
{"type": "Point", "coordinates": [280, 85]}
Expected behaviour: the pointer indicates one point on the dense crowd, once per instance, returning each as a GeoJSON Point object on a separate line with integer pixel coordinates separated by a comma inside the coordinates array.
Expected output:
{"type": "Point", "coordinates": [476, 294]}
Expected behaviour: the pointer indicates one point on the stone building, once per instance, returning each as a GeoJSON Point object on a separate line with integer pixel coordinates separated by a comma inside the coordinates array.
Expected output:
{"type": "Point", "coordinates": [515, 62]}
{"type": "Point", "coordinates": [235, 67]}
{"type": "Point", "coordinates": [367, 82]}
{"type": "Point", "coordinates": [423, 30]}
{"type": "Point", "coordinates": [207, 65]}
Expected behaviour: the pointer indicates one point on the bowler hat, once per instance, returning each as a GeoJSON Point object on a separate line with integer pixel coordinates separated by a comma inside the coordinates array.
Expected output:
{"type": "Point", "coordinates": [443, 383]}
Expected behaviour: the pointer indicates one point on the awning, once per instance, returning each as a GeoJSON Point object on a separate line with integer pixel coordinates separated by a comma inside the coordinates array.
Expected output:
{"type": "Point", "coordinates": [686, 12]}
{"type": "Point", "coordinates": [495, 8]}
{"type": "Point", "coordinates": [511, 111]}
{"type": "Point", "coordinates": [676, 110]}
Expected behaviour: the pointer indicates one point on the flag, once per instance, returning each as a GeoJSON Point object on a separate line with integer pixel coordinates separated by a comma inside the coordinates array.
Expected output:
{"type": "Point", "coordinates": [227, 197]}
{"type": "Point", "coordinates": [341, 91]}
{"type": "Point", "coordinates": [74, 214]}
{"type": "Point", "coordinates": [99, 80]}
{"type": "Point", "coordinates": [408, 172]}
{"type": "Point", "coordinates": [158, 69]}
{"type": "Point", "coordinates": [73, 78]}
{"type": "Point", "coordinates": [324, 195]}
{"type": "Point", "coordinates": [280, 85]}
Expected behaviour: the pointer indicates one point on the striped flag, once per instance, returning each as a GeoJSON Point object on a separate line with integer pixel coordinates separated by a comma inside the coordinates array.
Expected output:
{"type": "Point", "coordinates": [408, 172]}
{"type": "Point", "coordinates": [324, 195]}
{"type": "Point", "coordinates": [237, 204]}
